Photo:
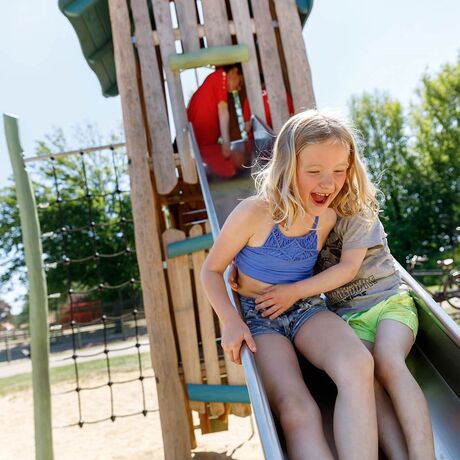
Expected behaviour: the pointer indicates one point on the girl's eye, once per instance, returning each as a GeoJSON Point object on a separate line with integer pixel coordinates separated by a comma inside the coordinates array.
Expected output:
{"type": "Point", "coordinates": [313, 172]}
{"type": "Point", "coordinates": [340, 171]}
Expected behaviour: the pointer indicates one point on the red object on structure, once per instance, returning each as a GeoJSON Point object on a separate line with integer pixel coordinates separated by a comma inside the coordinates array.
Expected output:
{"type": "Point", "coordinates": [202, 110]}
{"type": "Point", "coordinates": [82, 311]}
{"type": "Point", "coordinates": [247, 108]}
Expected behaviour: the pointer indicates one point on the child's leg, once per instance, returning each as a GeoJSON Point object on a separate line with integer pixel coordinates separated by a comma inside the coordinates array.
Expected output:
{"type": "Point", "coordinates": [391, 437]}
{"type": "Point", "coordinates": [328, 343]}
{"type": "Point", "coordinates": [392, 345]}
{"type": "Point", "coordinates": [290, 399]}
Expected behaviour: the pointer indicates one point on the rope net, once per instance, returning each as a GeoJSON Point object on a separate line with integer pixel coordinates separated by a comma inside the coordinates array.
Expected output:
{"type": "Point", "coordinates": [84, 208]}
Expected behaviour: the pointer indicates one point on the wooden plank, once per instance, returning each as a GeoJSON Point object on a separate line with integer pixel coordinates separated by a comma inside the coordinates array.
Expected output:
{"type": "Point", "coordinates": [270, 61]}
{"type": "Point", "coordinates": [188, 25]}
{"type": "Point", "coordinates": [235, 376]}
{"type": "Point", "coordinates": [152, 82]}
{"type": "Point", "coordinates": [165, 32]}
{"type": "Point", "coordinates": [184, 314]}
{"type": "Point", "coordinates": [216, 23]}
{"type": "Point", "coordinates": [251, 73]}
{"type": "Point", "coordinates": [296, 55]}
{"type": "Point", "coordinates": [208, 332]}
{"type": "Point", "coordinates": [201, 33]}
{"type": "Point", "coordinates": [171, 400]}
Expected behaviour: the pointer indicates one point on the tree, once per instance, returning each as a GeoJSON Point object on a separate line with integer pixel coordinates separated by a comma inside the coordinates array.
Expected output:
{"type": "Point", "coordinates": [380, 121]}
{"type": "Point", "coordinates": [415, 160]}
{"type": "Point", "coordinates": [435, 119]}
{"type": "Point", "coordinates": [85, 215]}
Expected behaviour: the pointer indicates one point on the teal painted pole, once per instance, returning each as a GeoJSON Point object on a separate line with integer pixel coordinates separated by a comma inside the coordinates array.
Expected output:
{"type": "Point", "coordinates": [218, 393]}
{"type": "Point", "coordinates": [38, 320]}
{"type": "Point", "coordinates": [190, 245]}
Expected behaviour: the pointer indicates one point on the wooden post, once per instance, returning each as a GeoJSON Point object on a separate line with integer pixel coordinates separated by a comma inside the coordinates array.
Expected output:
{"type": "Point", "coordinates": [184, 314]}
{"type": "Point", "coordinates": [171, 400]}
{"type": "Point", "coordinates": [208, 332]}
{"type": "Point", "coordinates": [296, 55]}
{"type": "Point", "coordinates": [38, 297]}
{"type": "Point", "coordinates": [270, 61]}
{"type": "Point", "coordinates": [244, 34]}
{"type": "Point", "coordinates": [164, 166]}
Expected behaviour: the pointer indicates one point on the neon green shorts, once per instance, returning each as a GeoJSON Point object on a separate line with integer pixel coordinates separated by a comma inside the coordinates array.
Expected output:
{"type": "Point", "coordinates": [399, 307]}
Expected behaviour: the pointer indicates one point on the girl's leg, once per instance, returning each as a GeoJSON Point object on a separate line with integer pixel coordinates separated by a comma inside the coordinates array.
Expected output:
{"type": "Point", "coordinates": [392, 345]}
{"type": "Point", "coordinates": [290, 399]}
{"type": "Point", "coordinates": [391, 437]}
{"type": "Point", "coordinates": [330, 344]}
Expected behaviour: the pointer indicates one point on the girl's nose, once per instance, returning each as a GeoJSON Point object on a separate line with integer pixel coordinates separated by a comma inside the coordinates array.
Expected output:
{"type": "Point", "coordinates": [326, 181]}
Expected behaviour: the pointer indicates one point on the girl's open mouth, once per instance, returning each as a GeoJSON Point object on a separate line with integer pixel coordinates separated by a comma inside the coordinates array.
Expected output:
{"type": "Point", "coordinates": [319, 198]}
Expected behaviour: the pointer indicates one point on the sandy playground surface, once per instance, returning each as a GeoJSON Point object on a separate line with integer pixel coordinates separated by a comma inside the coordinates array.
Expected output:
{"type": "Point", "coordinates": [136, 437]}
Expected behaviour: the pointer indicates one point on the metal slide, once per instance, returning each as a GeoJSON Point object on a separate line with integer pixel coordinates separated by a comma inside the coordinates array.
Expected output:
{"type": "Point", "coordinates": [434, 360]}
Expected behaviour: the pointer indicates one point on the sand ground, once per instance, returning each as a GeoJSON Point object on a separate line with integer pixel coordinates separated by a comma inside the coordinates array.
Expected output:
{"type": "Point", "coordinates": [136, 437]}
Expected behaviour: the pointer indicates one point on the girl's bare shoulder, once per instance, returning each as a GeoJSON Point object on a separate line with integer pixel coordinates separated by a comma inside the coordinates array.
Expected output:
{"type": "Point", "coordinates": [252, 208]}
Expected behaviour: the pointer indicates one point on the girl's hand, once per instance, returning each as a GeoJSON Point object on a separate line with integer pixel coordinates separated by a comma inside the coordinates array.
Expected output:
{"type": "Point", "coordinates": [233, 277]}
{"type": "Point", "coordinates": [277, 299]}
{"type": "Point", "coordinates": [234, 333]}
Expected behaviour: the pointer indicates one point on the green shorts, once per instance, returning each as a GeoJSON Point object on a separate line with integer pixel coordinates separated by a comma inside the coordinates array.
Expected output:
{"type": "Point", "coordinates": [399, 307]}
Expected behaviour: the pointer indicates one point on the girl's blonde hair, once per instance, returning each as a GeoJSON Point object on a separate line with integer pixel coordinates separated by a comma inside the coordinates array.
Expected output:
{"type": "Point", "coordinates": [277, 182]}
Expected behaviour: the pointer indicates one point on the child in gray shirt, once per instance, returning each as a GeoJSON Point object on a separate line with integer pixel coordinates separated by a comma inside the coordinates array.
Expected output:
{"type": "Point", "coordinates": [357, 275]}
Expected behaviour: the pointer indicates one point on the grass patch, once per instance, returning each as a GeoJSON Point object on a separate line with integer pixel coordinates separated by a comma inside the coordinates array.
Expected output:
{"type": "Point", "coordinates": [118, 364]}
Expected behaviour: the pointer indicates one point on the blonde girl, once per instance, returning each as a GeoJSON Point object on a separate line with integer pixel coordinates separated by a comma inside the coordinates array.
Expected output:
{"type": "Point", "coordinates": [275, 238]}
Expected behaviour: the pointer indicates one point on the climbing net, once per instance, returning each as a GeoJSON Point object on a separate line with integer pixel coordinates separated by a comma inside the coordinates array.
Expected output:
{"type": "Point", "coordinates": [83, 202]}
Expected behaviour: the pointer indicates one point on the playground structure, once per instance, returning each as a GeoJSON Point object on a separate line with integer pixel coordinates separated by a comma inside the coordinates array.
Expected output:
{"type": "Point", "coordinates": [174, 201]}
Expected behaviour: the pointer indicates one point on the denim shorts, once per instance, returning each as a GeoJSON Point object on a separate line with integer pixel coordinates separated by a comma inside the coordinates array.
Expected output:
{"type": "Point", "coordinates": [287, 324]}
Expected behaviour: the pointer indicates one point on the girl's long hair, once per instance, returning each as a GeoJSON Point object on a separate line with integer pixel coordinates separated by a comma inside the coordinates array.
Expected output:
{"type": "Point", "coordinates": [276, 183]}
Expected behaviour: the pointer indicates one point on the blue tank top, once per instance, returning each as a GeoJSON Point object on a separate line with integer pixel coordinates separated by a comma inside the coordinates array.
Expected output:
{"type": "Point", "coordinates": [281, 259]}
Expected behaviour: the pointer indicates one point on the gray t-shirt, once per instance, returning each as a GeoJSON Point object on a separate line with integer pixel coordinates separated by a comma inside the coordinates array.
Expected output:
{"type": "Point", "coordinates": [377, 278]}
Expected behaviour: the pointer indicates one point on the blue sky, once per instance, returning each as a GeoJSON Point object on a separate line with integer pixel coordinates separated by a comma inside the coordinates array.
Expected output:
{"type": "Point", "coordinates": [353, 46]}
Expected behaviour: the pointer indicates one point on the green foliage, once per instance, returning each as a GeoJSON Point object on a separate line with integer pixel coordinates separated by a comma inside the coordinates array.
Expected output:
{"type": "Point", "coordinates": [415, 160]}
{"type": "Point", "coordinates": [84, 210]}
{"type": "Point", "coordinates": [435, 121]}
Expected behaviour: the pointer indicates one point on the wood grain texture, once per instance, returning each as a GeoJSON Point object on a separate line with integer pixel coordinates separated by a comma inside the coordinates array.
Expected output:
{"type": "Point", "coordinates": [171, 398]}
{"type": "Point", "coordinates": [184, 314]}
{"type": "Point", "coordinates": [296, 55]}
{"type": "Point", "coordinates": [164, 167]}
{"type": "Point", "coordinates": [188, 24]}
{"type": "Point", "coordinates": [271, 65]}
{"type": "Point", "coordinates": [216, 23]}
{"type": "Point", "coordinates": [208, 332]}
{"type": "Point", "coordinates": [243, 29]}
{"type": "Point", "coordinates": [165, 32]}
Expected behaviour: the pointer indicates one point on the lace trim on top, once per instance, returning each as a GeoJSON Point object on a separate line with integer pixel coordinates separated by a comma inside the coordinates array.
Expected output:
{"type": "Point", "coordinates": [285, 247]}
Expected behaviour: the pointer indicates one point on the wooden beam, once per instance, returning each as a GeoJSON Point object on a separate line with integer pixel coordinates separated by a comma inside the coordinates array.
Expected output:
{"type": "Point", "coordinates": [188, 25]}
{"type": "Point", "coordinates": [171, 399]}
{"type": "Point", "coordinates": [270, 61]}
{"type": "Point", "coordinates": [208, 331]}
{"type": "Point", "coordinates": [163, 23]}
{"type": "Point", "coordinates": [184, 314]}
{"type": "Point", "coordinates": [164, 167]}
{"type": "Point", "coordinates": [216, 23]}
{"type": "Point", "coordinates": [244, 34]}
{"type": "Point", "coordinates": [184, 35]}
{"type": "Point", "coordinates": [298, 68]}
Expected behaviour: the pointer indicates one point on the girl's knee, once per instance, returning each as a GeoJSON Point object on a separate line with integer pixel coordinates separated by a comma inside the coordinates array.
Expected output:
{"type": "Point", "coordinates": [298, 413]}
{"type": "Point", "coordinates": [355, 369]}
{"type": "Point", "coordinates": [389, 366]}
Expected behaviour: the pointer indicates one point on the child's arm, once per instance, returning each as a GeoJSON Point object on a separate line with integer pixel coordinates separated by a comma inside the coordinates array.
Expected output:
{"type": "Point", "coordinates": [277, 299]}
{"type": "Point", "coordinates": [235, 234]}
